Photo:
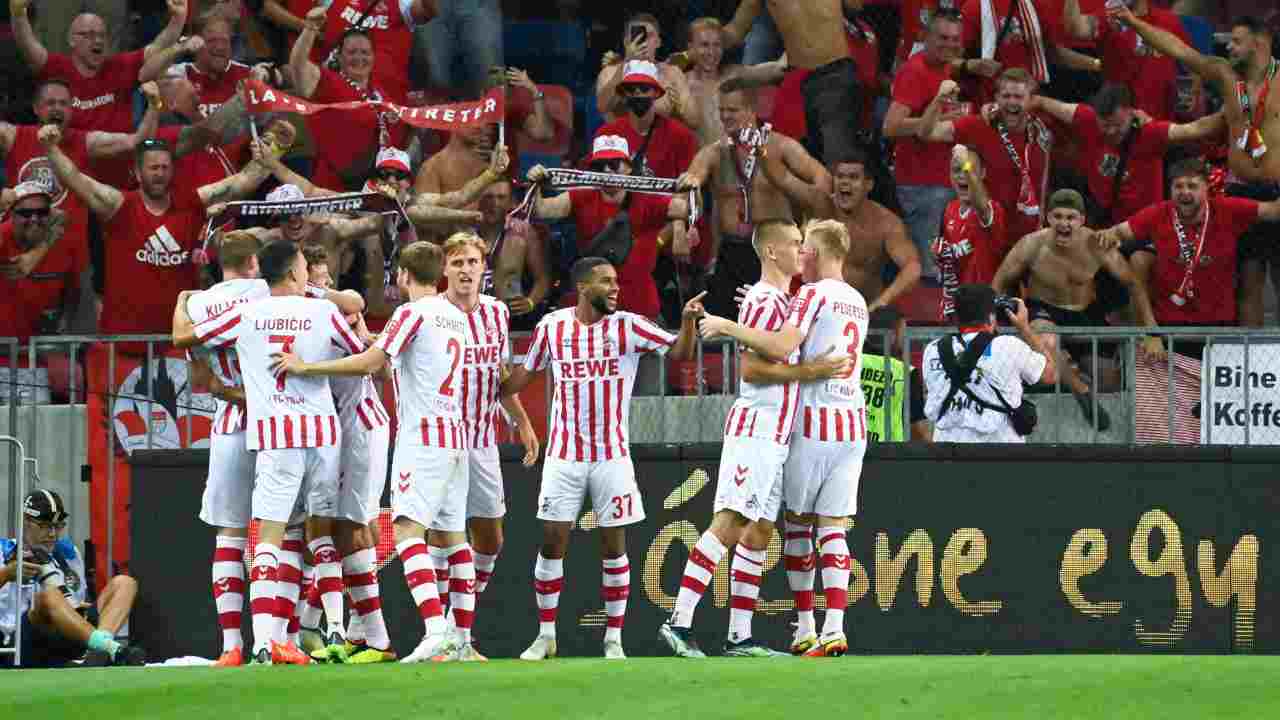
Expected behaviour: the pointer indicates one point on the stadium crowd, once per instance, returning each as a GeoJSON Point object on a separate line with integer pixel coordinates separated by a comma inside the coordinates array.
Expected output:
{"type": "Point", "coordinates": [1070, 153]}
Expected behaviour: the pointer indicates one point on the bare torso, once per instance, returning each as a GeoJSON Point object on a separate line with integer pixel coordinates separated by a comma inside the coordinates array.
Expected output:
{"type": "Point", "coordinates": [1063, 276]}
{"type": "Point", "coordinates": [812, 31]}
{"type": "Point", "coordinates": [767, 201]}
{"type": "Point", "coordinates": [706, 90]}
{"type": "Point", "coordinates": [868, 229]}
{"type": "Point", "coordinates": [446, 171]}
{"type": "Point", "coordinates": [508, 270]}
{"type": "Point", "coordinates": [1267, 168]}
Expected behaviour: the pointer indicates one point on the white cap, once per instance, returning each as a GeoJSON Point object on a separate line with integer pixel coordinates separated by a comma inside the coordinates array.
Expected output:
{"type": "Point", "coordinates": [641, 72]}
{"type": "Point", "coordinates": [393, 158]}
{"type": "Point", "coordinates": [610, 147]}
{"type": "Point", "coordinates": [285, 193]}
{"type": "Point", "coordinates": [24, 190]}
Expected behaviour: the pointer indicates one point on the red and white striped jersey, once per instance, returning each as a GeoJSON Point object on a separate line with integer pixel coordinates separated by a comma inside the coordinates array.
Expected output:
{"type": "Point", "coordinates": [764, 411]}
{"type": "Point", "coordinates": [488, 349]}
{"type": "Point", "coordinates": [428, 338]}
{"type": "Point", "coordinates": [832, 314]}
{"type": "Point", "coordinates": [359, 405]}
{"type": "Point", "coordinates": [593, 369]}
{"type": "Point", "coordinates": [285, 411]}
{"type": "Point", "coordinates": [210, 303]}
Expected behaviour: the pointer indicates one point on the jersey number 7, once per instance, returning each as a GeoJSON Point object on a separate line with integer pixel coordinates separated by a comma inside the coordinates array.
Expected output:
{"type": "Point", "coordinates": [286, 346]}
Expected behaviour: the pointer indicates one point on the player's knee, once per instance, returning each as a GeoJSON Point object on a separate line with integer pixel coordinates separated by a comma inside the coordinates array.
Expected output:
{"type": "Point", "coordinates": [757, 536]}
{"type": "Point", "coordinates": [801, 518]}
{"type": "Point", "coordinates": [123, 584]}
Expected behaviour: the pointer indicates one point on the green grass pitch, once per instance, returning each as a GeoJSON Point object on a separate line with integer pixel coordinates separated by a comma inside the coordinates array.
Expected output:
{"type": "Point", "coordinates": [933, 687]}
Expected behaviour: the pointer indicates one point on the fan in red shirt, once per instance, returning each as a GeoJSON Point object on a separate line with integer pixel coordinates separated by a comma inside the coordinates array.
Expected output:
{"type": "Point", "coordinates": [1127, 59]}
{"type": "Point", "coordinates": [1014, 145]}
{"type": "Point", "coordinates": [36, 283]}
{"type": "Point", "coordinates": [1034, 32]}
{"type": "Point", "coordinates": [1104, 129]}
{"type": "Point", "coordinates": [389, 25]}
{"type": "Point", "coordinates": [214, 75]}
{"type": "Point", "coordinates": [150, 232]}
{"type": "Point", "coordinates": [101, 87]}
{"type": "Point", "coordinates": [916, 16]}
{"type": "Point", "coordinates": [654, 219]}
{"type": "Point", "coordinates": [1186, 248]}
{"type": "Point", "coordinates": [671, 146]}
{"type": "Point", "coordinates": [25, 158]}
{"type": "Point", "coordinates": [350, 139]}
{"type": "Point", "coordinates": [973, 236]}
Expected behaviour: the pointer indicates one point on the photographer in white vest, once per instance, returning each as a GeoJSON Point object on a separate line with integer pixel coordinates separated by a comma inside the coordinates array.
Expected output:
{"type": "Point", "coordinates": [974, 379]}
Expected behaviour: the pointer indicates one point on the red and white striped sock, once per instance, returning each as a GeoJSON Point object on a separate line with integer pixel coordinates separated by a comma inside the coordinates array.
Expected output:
{"type": "Point", "coordinates": [548, 581]}
{"type": "Point", "coordinates": [308, 577]}
{"type": "Point", "coordinates": [801, 563]}
{"type": "Point", "coordinates": [328, 582]}
{"type": "Point", "coordinates": [228, 588]}
{"type": "Point", "coordinates": [366, 603]}
{"type": "Point", "coordinates": [744, 590]}
{"type": "Point", "coordinates": [834, 552]}
{"type": "Point", "coordinates": [262, 595]}
{"type": "Point", "coordinates": [312, 609]}
{"type": "Point", "coordinates": [289, 577]}
{"type": "Point", "coordinates": [615, 588]}
{"type": "Point", "coordinates": [484, 569]}
{"type": "Point", "coordinates": [421, 577]}
{"type": "Point", "coordinates": [462, 589]}
{"type": "Point", "coordinates": [440, 561]}
{"type": "Point", "coordinates": [703, 559]}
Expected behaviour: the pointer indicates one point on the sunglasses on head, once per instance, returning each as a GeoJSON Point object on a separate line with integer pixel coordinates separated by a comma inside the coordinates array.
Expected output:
{"type": "Point", "coordinates": [31, 212]}
{"type": "Point", "coordinates": [154, 144]}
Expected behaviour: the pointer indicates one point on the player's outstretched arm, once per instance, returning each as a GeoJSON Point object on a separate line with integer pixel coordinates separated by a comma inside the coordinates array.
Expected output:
{"type": "Point", "coordinates": [687, 341]}
{"type": "Point", "coordinates": [758, 371]}
{"type": "Point", "coordinates": [366, 363]}
{"type": "Point", "coordinates": [775, 346]}
{"type": "Point", "coordinates": [349, 302]}
{"type": "Point", "coordinates": [184, 331]}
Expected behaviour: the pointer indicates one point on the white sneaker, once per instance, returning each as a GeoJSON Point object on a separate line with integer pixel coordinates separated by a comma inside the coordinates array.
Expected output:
{"type": "Point", "coordinates": [613, 650]}
{"type": "Point", "coordinates": [543, 648]}
{"type": "Point", "coordinates": [468, 653]}
{"type": "Point", "coordinates": [439, 647]}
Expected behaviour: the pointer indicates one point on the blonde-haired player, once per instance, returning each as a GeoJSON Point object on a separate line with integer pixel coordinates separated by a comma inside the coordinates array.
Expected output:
{"type": "Point", "coordinates": [820, 482]}
{"type": "Point", "coordinates": [757, 433]}
{"type": "Point", "coordinates": [463, 570]}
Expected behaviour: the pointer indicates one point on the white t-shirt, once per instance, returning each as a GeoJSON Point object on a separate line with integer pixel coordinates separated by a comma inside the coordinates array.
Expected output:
{"type": "Point", "coordinates": [1007, 364]}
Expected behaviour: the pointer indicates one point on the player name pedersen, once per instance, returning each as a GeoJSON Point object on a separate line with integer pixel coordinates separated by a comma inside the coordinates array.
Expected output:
{"type": "Point", "coordinates": [276, 324]}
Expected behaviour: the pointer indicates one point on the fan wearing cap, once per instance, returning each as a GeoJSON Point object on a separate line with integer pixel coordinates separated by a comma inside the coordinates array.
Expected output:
{"type": "Point", "coordinates": [1060, 264]}
{"type": "Point", "coordinates": [39, 286]}
{"type": "Point", "coordinates": [655, 221]}
{"type": "Point", "coordinates": [641, 41]}
{"type": "Point", "coordinates": [58, 624]}
{"type": "Point", "coordinates": [671, 145]}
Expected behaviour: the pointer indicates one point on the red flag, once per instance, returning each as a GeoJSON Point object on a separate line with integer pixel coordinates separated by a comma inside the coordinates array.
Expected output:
{"type": "Point", "coordinates": [261, 98]}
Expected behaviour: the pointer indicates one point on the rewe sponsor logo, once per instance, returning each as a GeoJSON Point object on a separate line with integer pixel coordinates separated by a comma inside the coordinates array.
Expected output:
{"type": "Point", "coordinates": [162, 250]}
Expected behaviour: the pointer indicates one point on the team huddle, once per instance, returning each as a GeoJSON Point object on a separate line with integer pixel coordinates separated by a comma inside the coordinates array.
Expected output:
{"type": "Point", "coordinates": [301, 444]}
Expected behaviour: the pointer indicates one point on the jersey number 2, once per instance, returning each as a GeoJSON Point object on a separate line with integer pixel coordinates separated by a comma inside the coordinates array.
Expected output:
{"type": "Point", "coordinates": [454, 348]}
{"type": "Point", "coordinates": [286, 346]}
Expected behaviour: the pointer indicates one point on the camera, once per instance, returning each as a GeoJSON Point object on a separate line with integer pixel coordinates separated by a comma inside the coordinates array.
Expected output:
{"type": "Point", "coordinates": [1005, 303]}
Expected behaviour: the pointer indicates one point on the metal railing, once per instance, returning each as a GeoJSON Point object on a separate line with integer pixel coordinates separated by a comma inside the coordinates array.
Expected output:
{"type": "Point", "coordinates": [1244, 366]}
{"type": "Point", "coordinates": [18, 488]}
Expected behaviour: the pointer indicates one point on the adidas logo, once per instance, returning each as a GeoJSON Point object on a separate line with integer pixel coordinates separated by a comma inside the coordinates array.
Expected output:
{"type": "Point", "coordinates": [162, 250]}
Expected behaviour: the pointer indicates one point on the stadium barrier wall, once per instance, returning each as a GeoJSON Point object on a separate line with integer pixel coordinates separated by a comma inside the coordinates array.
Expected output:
{"type": "Point", "coordinates": [956, 549]}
